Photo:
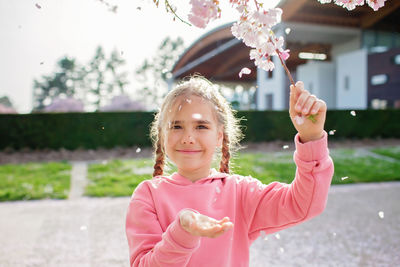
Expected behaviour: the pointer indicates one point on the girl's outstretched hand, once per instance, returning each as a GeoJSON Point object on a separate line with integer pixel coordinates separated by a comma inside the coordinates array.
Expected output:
{"type": "Point", "coordinates": [202, 225]}
{"type": "Point", "coordinates": [302, 105]}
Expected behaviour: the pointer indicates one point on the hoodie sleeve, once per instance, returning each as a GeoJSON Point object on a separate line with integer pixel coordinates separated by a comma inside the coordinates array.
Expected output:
{"type": "Point", "coordinates": [277, 206]}
{"type": "Point", "coordinates": [148, 244]}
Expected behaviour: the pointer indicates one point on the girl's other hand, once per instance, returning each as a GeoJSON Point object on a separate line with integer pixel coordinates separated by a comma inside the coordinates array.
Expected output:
{"type": "Point", "coordinates": [202, 225]}
{"type": "Point", "coordinates": [302, 105]}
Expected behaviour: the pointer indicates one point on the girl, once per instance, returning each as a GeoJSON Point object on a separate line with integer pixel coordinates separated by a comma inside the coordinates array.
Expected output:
{"type": "Point", "coordinates": [201, 217]}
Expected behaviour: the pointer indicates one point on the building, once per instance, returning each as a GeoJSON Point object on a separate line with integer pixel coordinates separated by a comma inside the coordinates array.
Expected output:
{"type": "Point", "coordinates": [350, 59]}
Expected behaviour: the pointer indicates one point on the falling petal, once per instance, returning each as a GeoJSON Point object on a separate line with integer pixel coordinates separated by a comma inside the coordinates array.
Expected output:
{"type": "Point", "coordinates": [285, 147]}
{"type": "Point", "coordinates": [332, 132]}
{"type": "Point", "coordinates": [281, 250]}
{"type": "Point", "coordinates": [252, 189]}
{"type": "Point", "coordinates": [344, 178]}
{"type": "Point", "coordinates": [244, 71]}
{"type": "Point", "coordinates": [196, 116]}
{"type": "Point", "coordinates": [180, 107]}
{"type": "Point", "coordinates": [138, 150]}
{"type": "Point", "coordinates": [334, 234]}
{"type": "Point", "coordinates": [218, 190]}
{"type": "Point", "coordinates": [189, 100]}
{"type": "Point", "coordinates": [214, 200]}
{"type": "Point", "coordinates": [104, 162]}
{"type": "Point", "coordinates": [278, 236]}
{"type": "Point", "coordinates": [299, 120]}
{"type": "Point", "coordinates": [287, 30]}
{"type": "Point", "coordinates": [83, 228]}
{"type": "Point", "coordinates": [38, 6]}
{"type": "Point", "coordinates": [381, 214]}
{"type": "Point", "coordinates": [353, 113]}
{"type": "Point", "coordinates": [102, 127]}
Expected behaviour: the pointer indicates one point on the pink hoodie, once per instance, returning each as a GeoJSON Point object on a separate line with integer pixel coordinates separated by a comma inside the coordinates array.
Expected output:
{"type": "Point", "coordinates": [156, 238]}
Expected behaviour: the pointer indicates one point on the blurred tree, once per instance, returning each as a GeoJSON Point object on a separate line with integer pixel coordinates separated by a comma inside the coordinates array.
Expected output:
{"type": "Point", "coordinates": [5, 101]}
{"type": "Point", "coordinates": [154, 73]}
{"type": "Point", "coordinates": [63, 82]}
{"type": "Point", "coordinates": [104, 80]}
{"type": "Point", "coordinates": [93, 83]}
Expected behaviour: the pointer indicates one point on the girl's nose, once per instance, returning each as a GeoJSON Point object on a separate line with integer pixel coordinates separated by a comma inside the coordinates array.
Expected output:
{"type": "Point", "coordinates": [188, 139]}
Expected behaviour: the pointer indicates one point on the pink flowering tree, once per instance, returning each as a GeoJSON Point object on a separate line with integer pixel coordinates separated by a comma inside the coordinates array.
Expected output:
{"type": "Point", "coordinates": [65, 105]}
{"type": "Point", "coordinates": [123, 103]}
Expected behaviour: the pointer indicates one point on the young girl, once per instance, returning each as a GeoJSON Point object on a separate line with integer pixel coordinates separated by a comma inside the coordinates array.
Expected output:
{"type": "Point", "coordinates": [201, 217]}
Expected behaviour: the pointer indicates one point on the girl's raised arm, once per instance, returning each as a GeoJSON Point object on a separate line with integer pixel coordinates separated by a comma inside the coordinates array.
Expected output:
{"type": "Point", "coordinates": [277, 206]}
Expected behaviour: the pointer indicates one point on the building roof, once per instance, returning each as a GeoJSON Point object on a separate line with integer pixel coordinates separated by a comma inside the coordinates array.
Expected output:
{"type": "Point", "coordinates": [219, 56]}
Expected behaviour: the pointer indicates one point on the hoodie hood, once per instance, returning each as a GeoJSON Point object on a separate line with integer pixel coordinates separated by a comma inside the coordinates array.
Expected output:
{"type": "Point", "coordinates": [176, 178]}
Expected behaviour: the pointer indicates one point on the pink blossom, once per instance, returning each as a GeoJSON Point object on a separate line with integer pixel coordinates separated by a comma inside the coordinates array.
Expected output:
{"type": "Point", "coordinates": [198, 21]}
{"type": "Point", "coordinates": [376, 4]}
{"type": "Point", "coordinates": [285, 54]}
{"type": "Point", "coordinates": [203, 11]}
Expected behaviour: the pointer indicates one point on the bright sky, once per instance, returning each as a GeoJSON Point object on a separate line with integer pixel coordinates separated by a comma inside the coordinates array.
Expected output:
{"type": "Point", "coordinates": [31, 35]}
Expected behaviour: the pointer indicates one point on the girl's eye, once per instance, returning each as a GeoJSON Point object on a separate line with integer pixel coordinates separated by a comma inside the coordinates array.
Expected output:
{"type": "Point", "coordinates": [202, 127]}
{"type": "Point", "coordinates": [176, 127]}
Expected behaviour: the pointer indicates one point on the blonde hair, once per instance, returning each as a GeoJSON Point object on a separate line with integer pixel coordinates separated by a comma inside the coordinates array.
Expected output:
{"type": "Point", "coordinates": [198, 86]}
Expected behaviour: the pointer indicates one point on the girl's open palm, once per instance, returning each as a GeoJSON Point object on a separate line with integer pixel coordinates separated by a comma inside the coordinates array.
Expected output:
{"type": "Point", "coordinates": [302, 105]}
{"type": "Point", "coordinates": [202, 225]}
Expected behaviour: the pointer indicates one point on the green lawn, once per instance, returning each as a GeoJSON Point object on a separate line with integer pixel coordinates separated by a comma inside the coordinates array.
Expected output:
{"type": "Point", "coordinates": [393, 152]}
{"type": "Point", "coordinates": [34, 181]}
{"type": "Point", "coordinates": [120, 177]}
{"type": "Point", "coordinates": [117, 177]}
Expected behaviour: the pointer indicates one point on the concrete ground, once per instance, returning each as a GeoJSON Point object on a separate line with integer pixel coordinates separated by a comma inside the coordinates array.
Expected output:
{"type": "Point", "coordinates": [360, 227]}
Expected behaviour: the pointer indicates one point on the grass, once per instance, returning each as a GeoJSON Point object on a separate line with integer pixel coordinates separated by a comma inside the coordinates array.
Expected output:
{"type": "Point", "coordinates": [120, 177]}
{"type": "Point", "coordinates": [117, 177]}
{"type": "Point", "coordinates": [393, 152]}
{"type": "Point", "coordinates": [34, 181]}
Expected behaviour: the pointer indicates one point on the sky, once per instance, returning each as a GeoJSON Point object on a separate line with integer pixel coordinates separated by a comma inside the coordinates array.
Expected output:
{"type": "Point", "coordinates": [34, 35]}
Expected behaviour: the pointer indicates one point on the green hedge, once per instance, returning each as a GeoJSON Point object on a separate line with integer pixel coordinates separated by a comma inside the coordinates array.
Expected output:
{"type": "Point", "coordinates": [75, 130]}
{"type": "Point", "coordinates": [126, 129]}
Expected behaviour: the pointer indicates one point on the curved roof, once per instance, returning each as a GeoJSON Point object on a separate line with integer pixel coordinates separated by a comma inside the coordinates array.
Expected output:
{"type": "Point", "coordinates": [219, 56]}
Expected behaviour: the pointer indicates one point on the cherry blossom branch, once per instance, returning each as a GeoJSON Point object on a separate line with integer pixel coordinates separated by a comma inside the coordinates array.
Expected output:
{"type": "Point", "coordinates": [169, 7]}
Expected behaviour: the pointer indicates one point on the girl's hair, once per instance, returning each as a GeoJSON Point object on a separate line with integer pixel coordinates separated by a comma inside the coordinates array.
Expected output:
{"type": "Point", "coordinates": [198, 86]}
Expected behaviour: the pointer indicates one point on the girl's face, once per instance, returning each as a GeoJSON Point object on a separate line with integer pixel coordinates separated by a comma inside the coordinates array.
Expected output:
{"type": "Point", "coordinates": [192, 136]}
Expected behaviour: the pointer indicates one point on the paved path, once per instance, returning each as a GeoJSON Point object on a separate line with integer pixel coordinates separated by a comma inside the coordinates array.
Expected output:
{"type": "Point", "coordinates": [90, 232]}
{"type": "Point", "coordinates": [78, 179]}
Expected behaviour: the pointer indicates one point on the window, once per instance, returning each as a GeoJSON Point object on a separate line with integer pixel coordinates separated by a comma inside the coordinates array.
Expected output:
{"type": "Point", "coordinates": [396, 59]}
{"type": "Point", "coordinates": [379, 79]}
{"type": "Point", "coordinates": [346, 83]}
{"type": "Point", "coordinates": [269, 74]}
{"type": "Point", "coordinates": [378, 103]}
